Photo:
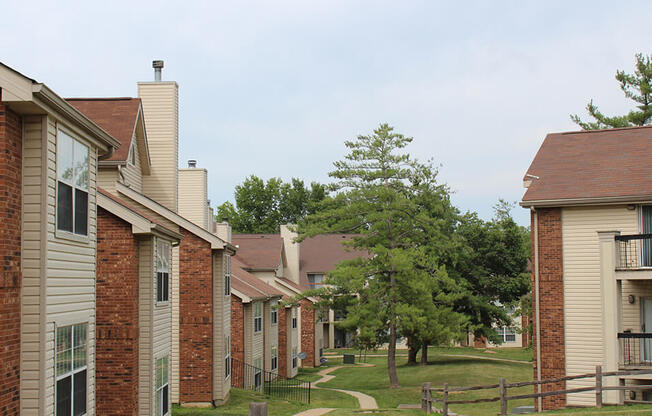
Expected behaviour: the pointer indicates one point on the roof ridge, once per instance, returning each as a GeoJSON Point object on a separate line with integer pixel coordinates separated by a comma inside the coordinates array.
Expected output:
{"type": "Point", "coordinates": [101, 98]}
{"type": "Point", "coordinates": [564, 133]}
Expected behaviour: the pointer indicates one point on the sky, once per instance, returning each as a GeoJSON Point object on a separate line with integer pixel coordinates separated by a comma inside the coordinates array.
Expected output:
{"type": "Point", "coordinates": [274, 88]}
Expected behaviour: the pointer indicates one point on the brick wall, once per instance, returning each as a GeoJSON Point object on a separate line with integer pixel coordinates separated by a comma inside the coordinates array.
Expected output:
{"type": "Point", "coordinates": [308, 333]}
{"type": "Point", "coordinates": [237, 339]}
{"type": "Point", "coordinates": [283, 341]}
{"type": "Point", "coordinates": [551, 300]}
{"type": "Point", "coordinates": [10, 250]}
{"type": "Point", "coordinates": [116, 371]}
{"type": "Point", "coordinates": [195, 319]}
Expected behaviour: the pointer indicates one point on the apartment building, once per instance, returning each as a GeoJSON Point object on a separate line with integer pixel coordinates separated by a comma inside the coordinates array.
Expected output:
{"type": "Point", "coordinates": [589, 194]}
{"type": "Point", "coordinates": [48, 178]}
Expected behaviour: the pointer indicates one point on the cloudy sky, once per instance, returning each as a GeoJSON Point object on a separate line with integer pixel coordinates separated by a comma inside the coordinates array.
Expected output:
{"type": "Point", "coordinates": [273, 88]}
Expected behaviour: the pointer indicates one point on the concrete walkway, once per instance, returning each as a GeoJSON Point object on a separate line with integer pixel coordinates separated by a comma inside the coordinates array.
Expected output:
{"type": "Point", "coordinates": [364, 400]}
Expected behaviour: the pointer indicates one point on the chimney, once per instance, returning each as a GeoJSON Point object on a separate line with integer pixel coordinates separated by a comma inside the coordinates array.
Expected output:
{"type": "Point", "coordinates": [292, 253]}
{"type": "Point", "coordinates": [223, 230]}
{"type": "Point", "coordinates": [192, 163]}
{"type": "Point", "coordinates": [158, 66]}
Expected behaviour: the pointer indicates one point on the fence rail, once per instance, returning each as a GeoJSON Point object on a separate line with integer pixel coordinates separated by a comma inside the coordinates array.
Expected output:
{"type": "Point", "coordinates": [249, 377]}
{"type": "Point", "coordinates": [636, 349]}
{"type": "Point", "coordinates": [634, 251]}
{"type": "Point", "coordinates": [427, 390]}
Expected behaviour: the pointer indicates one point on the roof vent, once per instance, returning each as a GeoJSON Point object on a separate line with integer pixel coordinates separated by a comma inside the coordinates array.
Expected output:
{"type": "Point", "coordinates": [192, 163]}
{"type": "Point", "coordinates": [158, 66]}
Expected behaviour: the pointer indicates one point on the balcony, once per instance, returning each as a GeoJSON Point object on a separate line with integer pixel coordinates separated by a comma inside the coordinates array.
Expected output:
{"type": "Point", "coordinates": [633, 252]}
{"type": "Point", "coordinates": [635, 350]}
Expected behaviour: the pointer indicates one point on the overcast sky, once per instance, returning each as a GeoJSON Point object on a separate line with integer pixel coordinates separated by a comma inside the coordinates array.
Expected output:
{"type": "Point", "coordinates": [274, 88]}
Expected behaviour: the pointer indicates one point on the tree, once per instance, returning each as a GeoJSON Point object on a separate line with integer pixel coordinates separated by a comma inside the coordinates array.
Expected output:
{"type": "Point", "coordinates": [491, 264]}
{"type": "Point", "coordinates": [637, 87]}
{"type": "Point", "coordinates": [261, 207]}
{"type": "Point", "coordinates": [380, 194]}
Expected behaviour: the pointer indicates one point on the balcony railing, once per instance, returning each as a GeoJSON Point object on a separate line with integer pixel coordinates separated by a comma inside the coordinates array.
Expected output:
{"type": "Point", "coordinates": [635, 349]}
{"type": "Point", "coordinates": [634, 251]}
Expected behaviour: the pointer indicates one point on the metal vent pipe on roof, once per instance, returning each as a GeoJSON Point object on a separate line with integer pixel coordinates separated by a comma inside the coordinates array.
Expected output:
{"type": "Point", "coordinates": [158, 66]}
{"type": "Point", "coordinates": [192, 163]}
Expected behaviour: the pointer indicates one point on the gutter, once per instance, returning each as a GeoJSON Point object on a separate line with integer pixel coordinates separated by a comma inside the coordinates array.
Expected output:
{"type": "Point", "coordinates": [631, 199]}
{"type": "Point", "coordinates": [537, 316]}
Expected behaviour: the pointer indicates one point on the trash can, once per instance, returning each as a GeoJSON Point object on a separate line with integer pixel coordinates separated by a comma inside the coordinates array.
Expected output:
{"type": "Point", "coordinates": [349, 359]}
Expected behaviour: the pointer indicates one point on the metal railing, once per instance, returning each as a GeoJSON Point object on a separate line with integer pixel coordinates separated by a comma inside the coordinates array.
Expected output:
{"type": "Point", "coordinates": [634, 251]}
{"type": "Point", "coordinates": [636, 349]}
{"type": "Point", "coordinates": [249, 377]}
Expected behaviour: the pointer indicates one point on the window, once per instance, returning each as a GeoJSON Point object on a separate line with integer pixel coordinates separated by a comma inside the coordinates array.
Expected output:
{"type": "Point", "coordinates": [71, 370]}
{"type": "Point", "coordinates": [506, 333]}
{"type": "Point", "coordinates": [316, 280]}
{"type": "Point", "coordinates": [227, 356]}
{"type": "Point", "coordinates": [294, 318]}
{"type": "Point", "coordinates": [274, 358]}
{"type": "Point", "coordinates": [132, 154]}
{"type": "Point", "coordinates": [258, 317]}
{"type": "Point", "coordinates": [294, 357]}
{"type": "Point", "coordinates": [227, 275]}
{"type": "Point", "coordinates": [274, 313]}
{"type": "Point", "coordinates": [258, 372]}
{"type": "Point", "coordinates": [162, 390]}
{"type": "Point", "coordinates": [162, 271]}
{"type": "Point", "coordinates": [72, 185]}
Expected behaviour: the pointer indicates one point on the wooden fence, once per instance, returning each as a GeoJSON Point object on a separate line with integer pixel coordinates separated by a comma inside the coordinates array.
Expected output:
{"type": "Point", "coordinates": [427, 390]}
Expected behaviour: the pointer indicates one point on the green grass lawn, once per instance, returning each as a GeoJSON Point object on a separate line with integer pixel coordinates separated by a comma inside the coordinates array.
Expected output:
{"type": "Point", "coordinates": [519, 354]}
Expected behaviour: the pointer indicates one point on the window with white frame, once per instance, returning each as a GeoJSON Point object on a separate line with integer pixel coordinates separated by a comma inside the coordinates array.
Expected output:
{"type": "Point", "coordinates": [274, 358]}
{"type": "Point", "coordinates": [258, 317]}
{"type": "Point", "coordinates": [274, 313]}
{"type": "Point", "coordinates": [294, 357]}
{"type": "Point", "coordinates": [70, 364]}
{"type": "Point", "coordinates": [258, 372]}
{"type": "Point", "coordinates": [227, 275]}
{"type": "Point", "coordinates": [506, 334]}
{"type": "Point", "coordinates": [162, 390]}
{"type": "Point", "coordinates": [227, 356]}
{"type": "Point", "coordinates": [316, 280]}
{"type": "Point", "coordinates": [72, 184]}
{"type": "Point", "coordinates": [162, 270]}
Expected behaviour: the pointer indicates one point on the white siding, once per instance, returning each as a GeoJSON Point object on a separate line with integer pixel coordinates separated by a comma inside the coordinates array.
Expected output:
{"type": "Point", "coordinates": [161, 111]}
{"type": "Point", "coordinates": [193, 196]}
{"type": "Point", "coordinates": [582, 297]}
{"type": "Point", "coordinates": [32, 266]}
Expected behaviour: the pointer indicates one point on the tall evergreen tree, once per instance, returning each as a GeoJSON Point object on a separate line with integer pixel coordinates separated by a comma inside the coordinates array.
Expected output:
{"type": "Point", "coordinates": [381, 195]}
{"type": "Point", "coordinates": [637, 87]}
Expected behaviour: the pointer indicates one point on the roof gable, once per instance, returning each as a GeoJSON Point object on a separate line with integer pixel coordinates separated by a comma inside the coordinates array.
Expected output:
{"type": "Point", "coordinates": [259, 251]}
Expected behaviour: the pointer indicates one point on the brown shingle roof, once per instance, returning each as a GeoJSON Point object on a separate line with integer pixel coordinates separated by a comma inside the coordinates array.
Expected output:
{"type": "Point", "coordinates": [592, 164]}
{"type": "Point", "coordinates": [259, 251]}
{"type": "Point", "coordinates": [321, 253]}
{"type": "Point", "coordinates": [116, 116]}
{"type": "Point", "coordinates": [131, 208]}
{"type": "Point", "coordinates": [250, 285]}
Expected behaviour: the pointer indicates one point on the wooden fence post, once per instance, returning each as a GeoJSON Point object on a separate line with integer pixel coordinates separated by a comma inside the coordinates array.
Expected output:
{"type": "Point", "coordinates": [503, 397]}
{"type": "Point", "coordinates": [444, 410]}
{"type": "Point", "coordinates": [598, 386]}
{"type": "Point", "coordinates": [257, 409]}
{"type": "Point", "coordinates": [426, 397]}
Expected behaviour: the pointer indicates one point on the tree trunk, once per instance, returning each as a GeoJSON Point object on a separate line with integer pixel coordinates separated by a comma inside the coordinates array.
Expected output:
{"type": "Point", "coordinates": [412, 354]}
{"type": "Point", "coordinates": [424, 353]}
{"type": "Point", "coordinates": [391, 357]}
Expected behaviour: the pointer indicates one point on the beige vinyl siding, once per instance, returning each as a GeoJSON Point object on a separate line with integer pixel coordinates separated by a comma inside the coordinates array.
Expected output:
{"type": "Point", "coordinates": [319, 338]}
{"type": "Point", "coordinates": [32, 266]}
{"type": "Point", "coordinates": [583, 319]}
{"type": "Point", "coordinates": [161, 112]}
{"type": "Point", "coordinates": [631, 318]}
{"type": "Point", "coordinates": [293, 341]}
{"type": "Point", "coordinates": [174, 357]}
{"type": "Point", "coordinates": [222, 327]}
{"type": "Point", "coordinates": [193, 196]}
{"type": "Point", "coordinates": [70, 272]}
{"type": "Point", "coordinates": [146, 365]}
{"type": "Point", "coordinates": [133, 175]}
{"type": "Point", "coordinates": [270, 334]}
{"type": "Point", "coordinates": [162, 318]}
{"type": "Point", "coordinates": [107, 178]}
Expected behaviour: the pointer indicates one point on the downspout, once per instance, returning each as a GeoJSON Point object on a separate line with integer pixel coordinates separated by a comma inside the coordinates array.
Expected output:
{"type": "Point", "coordinates": [537, 316]}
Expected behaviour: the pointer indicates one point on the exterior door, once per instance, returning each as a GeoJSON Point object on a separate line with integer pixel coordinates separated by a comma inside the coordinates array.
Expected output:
{"type": "Point", "coordinates": [646, 344]}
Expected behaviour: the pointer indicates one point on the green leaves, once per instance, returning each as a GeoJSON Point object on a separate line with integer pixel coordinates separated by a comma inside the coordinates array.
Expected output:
{"type": "Point", "coordinates": [637, 87]}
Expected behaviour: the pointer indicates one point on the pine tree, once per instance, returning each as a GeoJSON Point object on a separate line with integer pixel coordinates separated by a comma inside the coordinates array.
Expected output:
{"type": "Point", "coordinates": [637, 87]}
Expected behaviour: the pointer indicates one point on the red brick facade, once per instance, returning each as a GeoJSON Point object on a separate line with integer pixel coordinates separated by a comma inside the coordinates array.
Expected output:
{"type": "Point", "coordinates": [237, 337]}
{"type": "Point", "coordinates": [551, 300]}
{"type": "Point", "coordinates": [116, 372]}
{"type": "Point", "coordinates": [11, 145]}
{"type": "Point", "coordinates": [308, 320]}
{"type": "Point", "coordinates": [195, 319]}
{"type": "Point", "coordinates": [283, 340]}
